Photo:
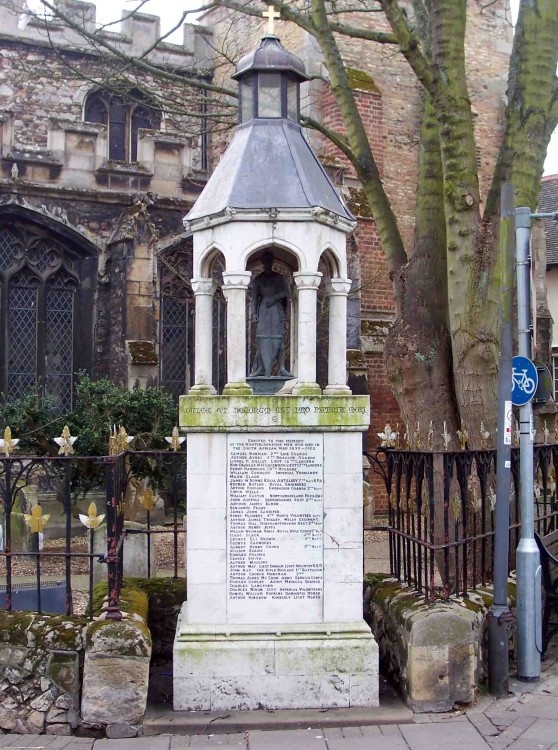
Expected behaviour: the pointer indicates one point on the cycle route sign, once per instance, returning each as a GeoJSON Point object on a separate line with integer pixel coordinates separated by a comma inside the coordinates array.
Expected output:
{"type": "Point", "coordinates": [524, 380]}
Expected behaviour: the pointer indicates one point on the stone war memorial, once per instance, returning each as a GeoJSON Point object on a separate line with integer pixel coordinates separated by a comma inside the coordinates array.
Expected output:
{"type": "Point", "coordinates": [273, 617]}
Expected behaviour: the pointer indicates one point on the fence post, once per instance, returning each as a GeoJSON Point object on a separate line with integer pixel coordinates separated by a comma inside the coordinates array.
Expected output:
{"type": "Point", "coordinates": [114, 541]}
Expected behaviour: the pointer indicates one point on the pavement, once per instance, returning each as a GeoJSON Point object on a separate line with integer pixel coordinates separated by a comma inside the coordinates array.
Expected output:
{"type": "Point", "coordinates": [525, 720]}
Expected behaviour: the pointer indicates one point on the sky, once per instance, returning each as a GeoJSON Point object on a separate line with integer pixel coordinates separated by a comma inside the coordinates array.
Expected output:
{"type": "Point", "coordinates": [169, 12]}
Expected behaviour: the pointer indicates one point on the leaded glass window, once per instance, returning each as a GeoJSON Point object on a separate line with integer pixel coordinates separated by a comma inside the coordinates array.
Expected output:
{"type": "Point", "coordinates": [176, 332]}
{"type": "Point", "coordinates": [41, 287]}
{"type": "Point", "coordinates": [59, 326]}
{"type": "Point", "coordinates": [123, 116]}
{"type": "Point", "coordinates": [176, 322]}
{"type": "Point", "coordinates": [23, 293]}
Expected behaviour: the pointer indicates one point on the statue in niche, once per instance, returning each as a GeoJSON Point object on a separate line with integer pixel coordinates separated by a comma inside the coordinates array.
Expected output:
{"type": "Point", "coordinates": [270, 298]}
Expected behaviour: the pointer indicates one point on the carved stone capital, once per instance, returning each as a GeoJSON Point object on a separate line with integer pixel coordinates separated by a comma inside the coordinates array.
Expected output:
{"type": "Point", "coordinates": [307, 279]}
{"type": "Point", "coordinates": [338, 287]}
{"type": "Point", "coordinates": [204, 287]}
{"type": "Point", "coordinates": [236, 280]}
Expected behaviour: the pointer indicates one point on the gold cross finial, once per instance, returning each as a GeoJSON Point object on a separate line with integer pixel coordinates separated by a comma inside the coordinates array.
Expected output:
{"type": "Point", "coordinates": [271, 15]}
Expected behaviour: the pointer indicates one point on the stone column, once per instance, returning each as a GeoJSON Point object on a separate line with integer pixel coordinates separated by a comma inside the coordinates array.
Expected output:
{"type": "Point", "coordinates": [307, 283]}
{"type": "Point", "coordinates": [204, 289]}
{"type": "Point", "coordinates": [235, 286]}
{"type": "Point", "coordinates": [337, 290]}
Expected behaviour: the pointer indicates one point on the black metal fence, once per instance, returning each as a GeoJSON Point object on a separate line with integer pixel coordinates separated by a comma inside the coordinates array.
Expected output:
{"type": "Point", "coordinates": [56, 513]}
{"type": "Point", "coordinates": [440, 520]}
{"type": "Point", "coordinates": [441, 514]}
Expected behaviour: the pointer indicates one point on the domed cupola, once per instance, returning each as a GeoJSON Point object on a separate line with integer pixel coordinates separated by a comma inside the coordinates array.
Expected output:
{"type": "Point", "coordinates": [269, 163]}
{"type": "Point", "coordinates": [269, 79]}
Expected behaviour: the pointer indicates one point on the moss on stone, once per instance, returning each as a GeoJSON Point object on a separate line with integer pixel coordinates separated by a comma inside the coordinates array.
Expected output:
{"type": "Point", "coordinates": [167, 591]}
{"type": "Point", "coordinates": [359, 79]}
{"type": "Point", "coordinates": [356, 359]}
{"type": "Point", "coordinates": [357, 202]}
{"type": "Point", "coordinates": [118, 638]}
{"type": "Point", "coordinates": [34, 630]}
{"type": "Point", "coordinates": [220, 413]}
{"type": "Point", "coordinates": [132, 599]}
{"type": "Point", "coordinates": [374, 327]}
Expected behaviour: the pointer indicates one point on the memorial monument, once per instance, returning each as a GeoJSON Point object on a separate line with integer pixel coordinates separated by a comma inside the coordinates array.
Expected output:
{"type": "Point", "coordinates": [273, 617]}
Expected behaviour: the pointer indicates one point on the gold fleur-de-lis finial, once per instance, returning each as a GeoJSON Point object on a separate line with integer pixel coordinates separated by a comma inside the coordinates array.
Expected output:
{"type": "Point", "coordinates": [36, 520]}
{"type": "Point", "coordinates": [91, 520]}
{"type": "Point", "coordinates": [407, 438]}
{"type": "Point", "coordinates": [417, 441]}
{"type": "Point", "coordinates": [148, 499]}
{"type": "Point", "coordinates": [123, 439]}
{"type": "Point", "coordinates": [430, 438]}
{"type": "Point", "coordinates": [112, 442]}
{"type": "Point", "coordinates": [446, 437]}
{"type": "Point", "coordinates": [175, 441]}
{"type": "Point", "coordinates": [8, 444]}
{"type": "Point", "coordinates": [65, 442]}
{"type": "Point", "coordinates": [463, 436]}
{"type": "Point", "coordinates": [388, 437]}
{"type": "Point", "coordinates": [271, 14]}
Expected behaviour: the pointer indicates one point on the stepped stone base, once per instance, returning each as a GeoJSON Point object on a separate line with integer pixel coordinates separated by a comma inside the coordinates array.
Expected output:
{"type": "Point", "coordinates": [235, 667]}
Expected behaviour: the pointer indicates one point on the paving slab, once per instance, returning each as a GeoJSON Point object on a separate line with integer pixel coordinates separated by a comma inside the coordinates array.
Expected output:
{"type": "Point", "coordinates": [537, 705]}
{"type": "Point", "coordinates": [215, 740]}
{"type": "Point", "coordinates": [450, 736]}
{"type": "Point", "coordinates": [46, 741]}
{"type": "Point", "coordinates": [294, 739]}
{"type": "Point", "coordinates": [367, 743]}
{"type": "Point", "coordinates": [541, 731]}
{"type": "Point", "coordinates": [135, 743]}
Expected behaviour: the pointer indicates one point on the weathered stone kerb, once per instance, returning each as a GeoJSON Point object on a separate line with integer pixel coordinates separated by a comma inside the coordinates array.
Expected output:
{"type": "Point", "coordinates": [433, 652]}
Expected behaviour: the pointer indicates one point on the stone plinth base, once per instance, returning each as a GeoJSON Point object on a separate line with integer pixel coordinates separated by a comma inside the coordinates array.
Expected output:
{"type": "Point", "coordinates": [262, 386]}
{"type": "Point", "coordinates": [236, 667]}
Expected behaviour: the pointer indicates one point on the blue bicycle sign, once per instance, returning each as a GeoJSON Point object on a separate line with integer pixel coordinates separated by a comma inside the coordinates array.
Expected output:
{"type": "Point", "coordinates": [525, 379]}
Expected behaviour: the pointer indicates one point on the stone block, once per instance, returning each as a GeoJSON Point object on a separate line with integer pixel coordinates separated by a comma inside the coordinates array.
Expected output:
{"type": "Point", "coordinates": [343, 528]}
{"type": "Point", "coordinates": [207, 528]}
{"type": "Point", "coordinates": [114, 690]}
{"type": "Point", "coordinates": [115, 672]}
{"type": "Point", "coordinates": [276, 667]}
{"type": "Point", "coordinates": [121, 731]}
{"type": "Point", "coordinates": [433, 651]}
{"type": "Point", "coordinates": [135, 552]}
{"type": "Point", "coordinates": [343, 490]}
{"type": "Point", "coordinates": [206, 566]}
{"type": "Point", "coordinates": [63, 669]}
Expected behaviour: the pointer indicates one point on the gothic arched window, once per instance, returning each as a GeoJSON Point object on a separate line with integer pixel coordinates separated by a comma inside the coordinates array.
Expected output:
{"type": "Point", "coordinates": [45, 314]}
{"type": "Point", "coordinates": [176, 332]}
{"type": "Point", "coordinates": [123, 116]}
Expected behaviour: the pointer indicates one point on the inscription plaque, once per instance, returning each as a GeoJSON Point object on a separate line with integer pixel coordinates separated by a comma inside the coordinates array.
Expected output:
{"type": "Point", "coordinates": [274, 528]}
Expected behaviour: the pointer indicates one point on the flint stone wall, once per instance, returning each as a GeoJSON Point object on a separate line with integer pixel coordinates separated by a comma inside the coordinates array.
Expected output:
{"type": "Point", "coordinates": [60, 674]}
{"type": "Point", "coordinates": [40, 657]}
{"type": "Point", "coordinates": [435, 653]}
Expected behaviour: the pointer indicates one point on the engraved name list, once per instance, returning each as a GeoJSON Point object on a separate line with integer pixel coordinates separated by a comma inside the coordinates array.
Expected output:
{"type": "Point", "coordinates": [275, 528]}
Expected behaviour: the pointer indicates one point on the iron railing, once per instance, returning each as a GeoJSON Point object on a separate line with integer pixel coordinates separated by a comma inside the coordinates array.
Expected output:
{"type": "Point", "coordinates": [48, 531]}
{"type": "Point", "coordinates": [441, 514]}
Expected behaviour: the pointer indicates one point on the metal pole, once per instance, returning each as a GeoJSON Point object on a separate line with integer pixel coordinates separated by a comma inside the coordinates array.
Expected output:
{"type": "Point", "coordinates": [527, 555]}
{"type": "Point", "coordinates": [499, 617]}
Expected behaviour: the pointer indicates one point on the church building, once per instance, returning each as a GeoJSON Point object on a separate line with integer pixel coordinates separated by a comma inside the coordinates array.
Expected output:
{"type": "Point", "coordinates": [98, 167]}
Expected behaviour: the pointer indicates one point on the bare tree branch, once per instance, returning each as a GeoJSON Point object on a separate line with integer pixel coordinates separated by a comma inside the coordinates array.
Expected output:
{"type": "Point", "coordinates": [99, 42]}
